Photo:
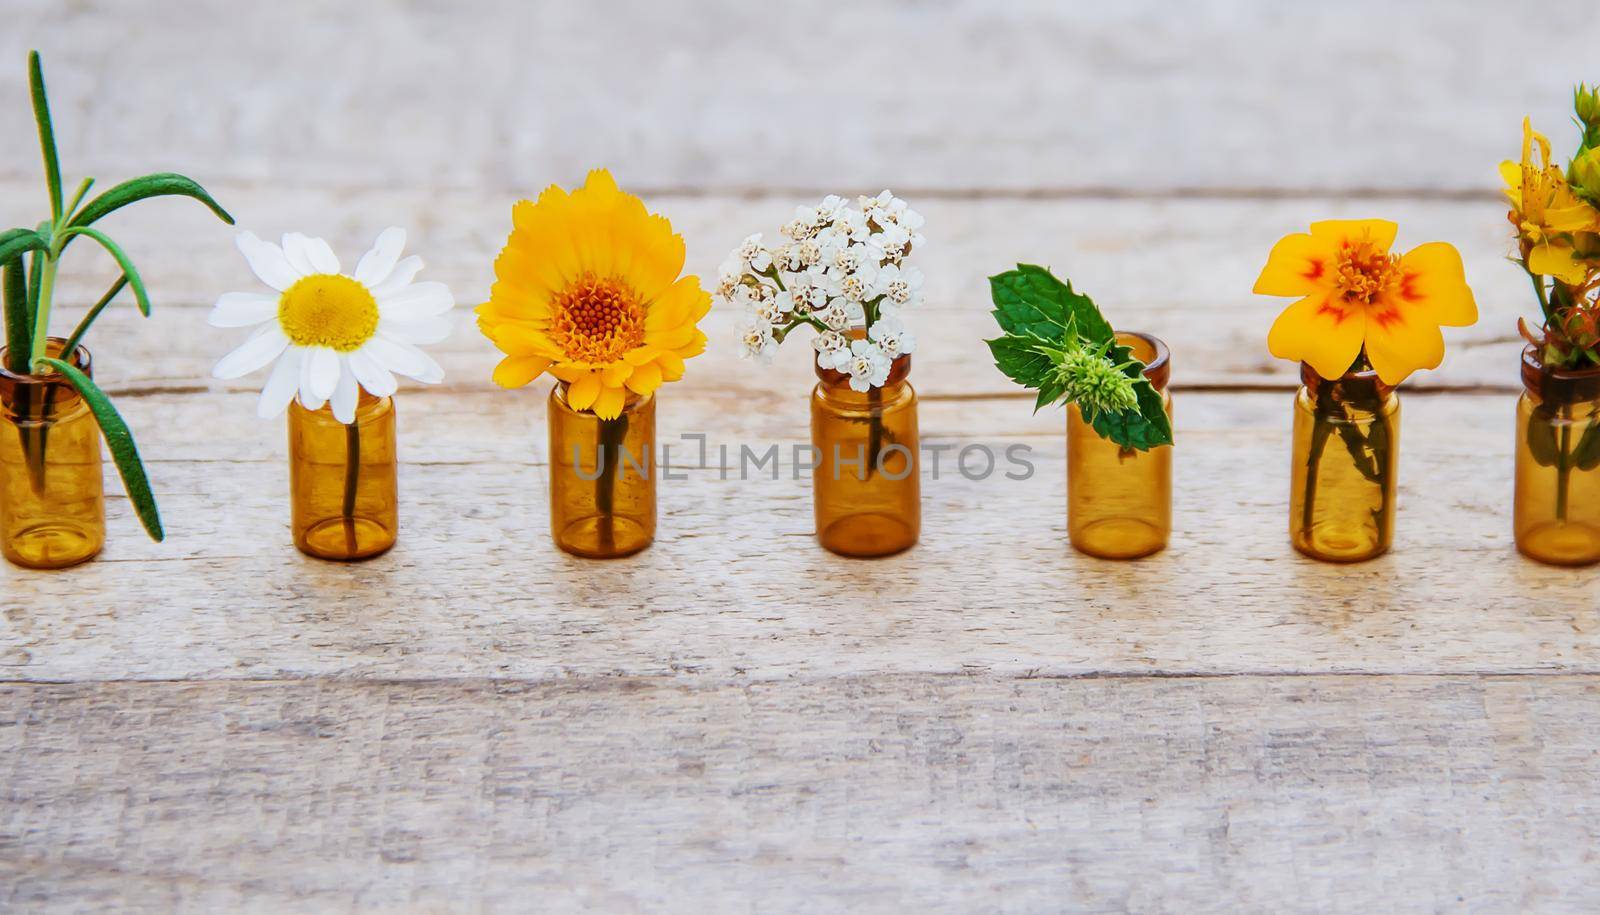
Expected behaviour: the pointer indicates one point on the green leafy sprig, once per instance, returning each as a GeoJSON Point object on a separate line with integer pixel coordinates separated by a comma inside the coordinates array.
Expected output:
{"type": "Point", "coordinates": [29, 260]}
{"type": "Point", "coordinates": [1057, 342]}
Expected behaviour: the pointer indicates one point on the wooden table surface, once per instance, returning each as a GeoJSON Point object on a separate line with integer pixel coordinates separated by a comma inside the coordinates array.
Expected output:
{"type": "Point", "coordinates": [736, 720]}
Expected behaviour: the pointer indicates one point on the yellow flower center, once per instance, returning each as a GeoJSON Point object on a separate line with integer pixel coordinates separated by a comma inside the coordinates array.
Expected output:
{"type": "Point", "coordinates": [326, 309]}
{"type": "Point", "coordinates": [1364, 271]}
{"type": "Point", "coordinates": [596, 319]}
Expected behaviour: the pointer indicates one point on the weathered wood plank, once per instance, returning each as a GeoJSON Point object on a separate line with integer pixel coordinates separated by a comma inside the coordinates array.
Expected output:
{"type": "Point", "coordinates": [1180, 269]}
{"type": "Point", "coordinates": [737, 586]}
{"type": "Point", "coordinates": [964, 94]}
{"type": "Point", "coordinates": [883, 794]}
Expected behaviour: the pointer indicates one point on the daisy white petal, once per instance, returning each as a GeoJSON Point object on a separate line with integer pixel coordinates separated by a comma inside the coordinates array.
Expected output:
{"type": "Point", "coordinates": [243, 309]}
{"type": "Point", "coordinates": [378, 380]}
{"type": "Point", "coordinates": [345, 395]}
{"type": "Point", "coordinates": [263, 346]}
{"type": "Point", "coordinates": [308, 398]}
{"type": "Point", "coordinates": [404, 272]}
{"type": "Point", "coordinates": [322, 256]}
{"type": "Point", "coordinates": [376, 265]}
{"type": "Point", "coordinates": [323, 372]}
{"type": "Point", "coordinates": [267, 261]}
{"type": "Point", "coordinates": [294, 251]}
{"type": "Point", "coordinates": [281, 385]}
{"type": "Point", "coordinates": [420, 300]}
{"type": "Point", "coordinates": [427, 330]}
{"type": "Point", "coordinates": [405, 359]}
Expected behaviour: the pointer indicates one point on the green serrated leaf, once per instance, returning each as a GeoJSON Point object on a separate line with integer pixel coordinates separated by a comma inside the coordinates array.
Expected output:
{"type": "Point", "coordinates": [1031, 300]}
{"type": "Point", "coordinates": [19, 326]}
{"type": "Point", "coordinates": [165, 184]}
{"type": "Point", "coordinates": [128, 270]}
{"type": "Point", "coordinates": [47, 134]}
{"type": "Point", "coordinates": [1142, 429]}
{"type": "Point", "coordinates": [120, 442]}
{"type": "Point", "coordinates": [1017, 358]}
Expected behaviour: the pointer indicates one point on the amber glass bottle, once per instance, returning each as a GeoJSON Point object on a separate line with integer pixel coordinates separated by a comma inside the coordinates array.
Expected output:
{"type": "Point", "coordinates": [1119, 501]}
{"type": "Point", "coordinates": [602, 478]}
{"type": "Point", "coordinates": [865, 485]}
{"type": "Point", "coordinates": [344, 502]}
{"type": "Point", "coordinates": [52, 497]}
{"type": "Point", "coordinates": [1342, 478]}
{"type": "Point", "coordinates": [1556, 506]}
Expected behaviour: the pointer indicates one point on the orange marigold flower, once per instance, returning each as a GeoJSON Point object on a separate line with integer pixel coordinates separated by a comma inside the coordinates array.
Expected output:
{"type": "Point", "coordinates": [1354, 295]}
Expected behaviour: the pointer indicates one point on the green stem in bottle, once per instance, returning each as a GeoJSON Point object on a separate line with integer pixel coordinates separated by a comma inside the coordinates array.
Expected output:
{"type": "Point", "coordinates": [1564, 463]}
{"type": "Point", "coordinates": [352, 476]}
{"type": "Point", "coordinates": [1321, 428]}
{"type": "Point", "coordinates": [612, 433]}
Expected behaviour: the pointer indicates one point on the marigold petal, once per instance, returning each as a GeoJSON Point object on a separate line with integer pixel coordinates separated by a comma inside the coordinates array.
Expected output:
{"type": "Point", "coordinates": [645, 379]}
{"type": "Point", "coordinates": [1380, 232]}
{"type": "Point", "coordinates": [615, 374]}
{"type": "Point", "coordinates": [671, 366]}
{"type": "Point", "coordinates": [609, 404]}
{"type": "Point", "coordinates": [1297, 265]}
{"type": "Point", "coordinates": [516, 371]}
{"type": "Point", "coordinates": [581, 394]}
{"type": "Point", "coordinates": [1318, 332]}
{"type": "Point", "coordinates": [1434, 280]}
{"type": "Point", "coordinates": [1402, 341]}
{"type": "Point", "coordinates": [1547, 259]}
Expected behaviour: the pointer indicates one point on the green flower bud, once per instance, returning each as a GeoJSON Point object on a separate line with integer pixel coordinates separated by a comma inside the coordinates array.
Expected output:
{"type": "Point", "coordinates": [1095, 383]}
{"type": "Point", "coordinates": [1583, 175]}
{"type": "Point", "coordinates": [1586, 104]}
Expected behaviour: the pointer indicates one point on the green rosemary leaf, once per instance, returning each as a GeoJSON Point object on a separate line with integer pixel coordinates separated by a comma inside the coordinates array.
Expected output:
{"type": "Point", "coordinates": [136, 189]}
{"type": "Point", "coordinates": [116, 251]}
{"type": "Point", "coordinates": [1031, 300]}
{"type": "Point", "coordinates": [120, 442]}
{"type": "Point", "coordinates": [16, 242]}
{"type": "Point", "coordinates": [90, 316]}
{"type": "Point", "coordinates": [47, 134]}
{"type": "Point", "coordinates": [19, 324]}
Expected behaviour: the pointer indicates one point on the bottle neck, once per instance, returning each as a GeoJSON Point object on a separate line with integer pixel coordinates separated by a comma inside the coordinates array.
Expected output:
{"type": "Point", "coordinates": [1558, 387]}
{"type": "Point", "coordinates": [1153, 353]}
{"type": "Point", "coordinates": [1362, 390]}
{"type": "Point", "coordinates": [38, 397]}
{"type": "Point", "coordinates": [836, 385]}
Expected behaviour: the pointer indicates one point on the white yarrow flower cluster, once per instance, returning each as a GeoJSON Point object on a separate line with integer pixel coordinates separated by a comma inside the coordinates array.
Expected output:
{"type": "Point", "coordinates": [842, 271]}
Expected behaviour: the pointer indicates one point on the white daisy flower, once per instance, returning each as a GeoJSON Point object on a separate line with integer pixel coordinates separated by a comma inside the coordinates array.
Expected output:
{"type": "Point", "coordinates": [755, 257]}
{"type": "Point", "coordinates": [900, 285]}
{"type": "Point", "coordinates": [333, 333]}
{"type": "Point", "coordinates": [826, 344]}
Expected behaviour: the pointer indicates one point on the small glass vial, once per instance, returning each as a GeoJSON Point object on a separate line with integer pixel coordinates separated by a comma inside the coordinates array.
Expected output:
{"type": "Point", "coordinates": [1556, 503]}
{"type": "Point", "coordinates": [343, 496]}
{"type": "Point", "coordinates": [602, 482]}
{"type": "Point", "coordinates": [1346, 458]}
{"type": "Point", "coordinates": [865, 485]}
{"type": "Point", "coordinates": [1119, 500]}
{"type": "Point", "coordinates": [52, 496]}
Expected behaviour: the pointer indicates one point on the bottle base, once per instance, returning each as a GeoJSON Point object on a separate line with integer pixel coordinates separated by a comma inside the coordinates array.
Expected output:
{"type": "Point", "coordinates": [1119, 538]}
{"type": "Point", "coordinates": [604, 537]}
{"type": "Point", "coordinates": [52, 545]}
{"type": "Point", "coordinates": [1330, 543]}
{"type": "Point", "coordinates": [1561, 543]}
{"type": "Point", "coordinates": [345, 541]}
{"type": "Point", "coordinates": [867, 536]}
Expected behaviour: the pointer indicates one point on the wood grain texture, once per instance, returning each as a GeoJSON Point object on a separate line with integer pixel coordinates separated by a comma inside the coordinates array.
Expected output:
{"type": "Point", "coordinates": [735, 720]}
{"type": "Point", "coordinates": [883, 794]}
{"type": "Point", "coordinates": [737, 586]}
{"type": "Point", "coordinates": [954, 95]}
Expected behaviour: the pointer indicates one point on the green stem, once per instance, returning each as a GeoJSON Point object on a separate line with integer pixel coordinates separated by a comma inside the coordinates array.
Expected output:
{"type": "Point", "coordinates": [612, 432]}
{"type": "Point", "coordinates": [352, 475]}
{"type": "Point", "coordinates": [88, 319]}
{"type": "Point", "coordinates": [1320, 430]}
{"type": "Point", "coordinates": [41, 321]}
{"type": "Point", "coordinates": [1564, 463]}
{"type": "Point", "coordinates": [1544, 296]}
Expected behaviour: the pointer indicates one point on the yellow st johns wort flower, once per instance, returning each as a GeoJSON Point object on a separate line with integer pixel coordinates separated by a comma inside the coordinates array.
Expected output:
{"type": "Point", "coordinates": [588, 289]}
{"type": "Point", "coordinates": [1546, 212]}
{"type": "Point", "coordinates": [1355, 295]}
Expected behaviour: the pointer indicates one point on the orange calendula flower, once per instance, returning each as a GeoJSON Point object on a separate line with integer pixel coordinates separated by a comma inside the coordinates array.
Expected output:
{"type": "Point", "coordinates": [1546, 212]}
{"type": "Point", "coordinates": [588, 289]}
{"type": "Point", "coordinates": [1355, 295]}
